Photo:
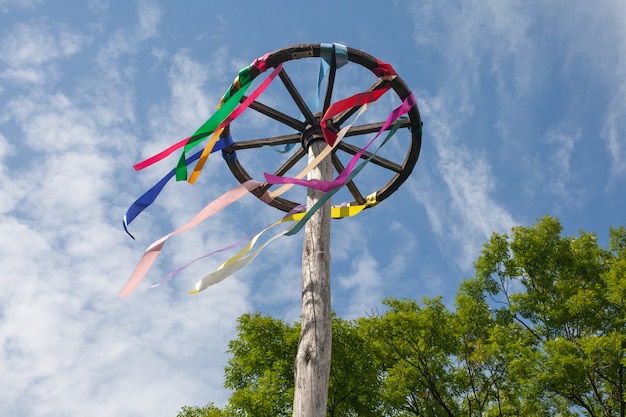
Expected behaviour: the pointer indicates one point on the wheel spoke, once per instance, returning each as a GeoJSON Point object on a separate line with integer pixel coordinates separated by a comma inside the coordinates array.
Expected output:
{"type": "Point", "coordinates": [289, 163]}
{"type": "Point", "coordinates": [276, 115]}
{"type": "Point", "coordinates": [300, 123]}
{"type": "Point", "coordinates": [358, 197]}
{"type": "Point", "coordinates": [375, 159]}
{"type": "Point", "coordinates": [297, 98]}
{"type": "Point", "coordinates": [258, 143]}
{"type": "Point", "coordinates": [371, 128]}
{"type": "Point", "coordinates": [286, 166]}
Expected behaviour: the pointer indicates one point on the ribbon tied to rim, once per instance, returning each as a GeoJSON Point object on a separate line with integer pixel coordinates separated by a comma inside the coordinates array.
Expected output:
{"type": "Point", "coordinates": [217, 134]}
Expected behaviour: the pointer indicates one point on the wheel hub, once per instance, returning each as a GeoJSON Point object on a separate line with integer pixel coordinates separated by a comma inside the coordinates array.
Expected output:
{"type": "Point", "coordinates": [312, 133]}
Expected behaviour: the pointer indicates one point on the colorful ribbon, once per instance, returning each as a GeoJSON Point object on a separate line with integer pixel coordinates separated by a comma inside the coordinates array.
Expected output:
{"type": "Point", "coordinates": [326, 53]}
{"type": "Point", "coordinates": [337, 212]}
{"type": "Point", "coordinates": [343, 176]}
{"type": "Point", "coordinates": [369, 201]}
{"type": "Point", "coordinates": [242, 258]}
{"type": "Point", "coordinates": [319, 158]}
{"type": "Point", "coordinates": [229, 115]}
{"type": "Point", "coordinates": [213, 145]}
{"type": "Point", "coordinates": [154, 249]}
{"type": "Point", "coordinates": [208, 149]}
{"type": "Point", "coordinates": [246, 103]}
{"type": "Point", "coordinates": [228, 103]}
{"type": "Point", "coordinates": [356, 100]}
{"type": "Point", "coordinates": [238, 261]}
{"type": "Point", "coordinates": [383, 69]}
{"type": "Point", "coordinates": [150, 196]}
{"type": "Point", "coordinates": [225, 114]}
{"type": "Point", "coordinates": [229, 268]}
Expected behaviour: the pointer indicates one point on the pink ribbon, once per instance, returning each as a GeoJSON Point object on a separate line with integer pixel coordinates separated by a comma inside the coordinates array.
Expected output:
{"type": "Point", "coordinates": [246, 103]}
{"type": "Point", "coordinates": [341, 179]}
{"type": "Point", "coordinates": [154, 249]}
{"type": "Point", "coordinates": [156, 158]}
{"type": "Point", "coordinates": [261, 65]}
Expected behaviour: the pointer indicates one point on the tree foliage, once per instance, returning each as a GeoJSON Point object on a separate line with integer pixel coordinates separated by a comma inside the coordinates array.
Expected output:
{"type": "Point", "coordinates": [540, 330]}
{"type": "Point", "coordinates": [260, 370]}
{"type": "Point", "coordinates": [209, 410]}
{"type": "Point", "coordinates": [561, 300]}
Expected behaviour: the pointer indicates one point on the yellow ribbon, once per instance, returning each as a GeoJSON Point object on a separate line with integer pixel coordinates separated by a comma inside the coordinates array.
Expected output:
{"type": "Point", "coordinates": [242, 258]}
{"type": "Point", "coordinates": [204, 156]}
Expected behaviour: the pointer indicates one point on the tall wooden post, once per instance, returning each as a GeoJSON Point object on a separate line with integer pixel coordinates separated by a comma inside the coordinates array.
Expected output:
{"type": "Point", "coordinates": [312, 367]}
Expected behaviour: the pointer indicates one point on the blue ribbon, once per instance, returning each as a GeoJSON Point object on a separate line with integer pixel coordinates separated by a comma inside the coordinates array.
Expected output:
{"type": "Point", "coordinates": [149, 196]}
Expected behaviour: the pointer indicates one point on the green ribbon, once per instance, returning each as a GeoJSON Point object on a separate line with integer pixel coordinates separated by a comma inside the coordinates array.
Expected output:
{"type": "Point", "coordinates": [227, 107]}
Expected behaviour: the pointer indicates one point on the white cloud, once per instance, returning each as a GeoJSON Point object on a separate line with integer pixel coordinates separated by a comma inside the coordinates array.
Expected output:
{"type": "Point", "coordinates": [54, 122]}
{"type": "Point", "coordinates": [613, 134]}
{"type": "Point", "coordinates": [12, 190]}
{"type": "Point", "coordinates": [189, 104]}
{"type": "Point", "coordinates": [405, 250]}
{"type": "Point", "coordinates": [27, 4]}
{"type": "Point", "coordinates": [29, 49]}
{"type": "Point", "coordinates": [364, 283]}
{"type": "Point", "coordinates": [149, 19]}
{"type": "Point", "coordinates": [596, 44]}
{"type": "Point", "coordinates": [127, 42]}
{"type": "Point", "coordinates": [562, 143]}
{"type": "Point", "coordinates": [68, 339]}
{"type": "Point", "coordinates": [5, 148]}
{"type": "Point", "coordinates": [465, 214]}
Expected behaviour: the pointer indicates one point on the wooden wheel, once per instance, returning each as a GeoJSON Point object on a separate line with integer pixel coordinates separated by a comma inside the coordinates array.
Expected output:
{"type": "Point", "coordinates": [303, 128]}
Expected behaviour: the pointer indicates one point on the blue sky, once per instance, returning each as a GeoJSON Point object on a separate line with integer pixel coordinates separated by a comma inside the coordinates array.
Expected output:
{"type": "Point", "coordinates": [523, 107]}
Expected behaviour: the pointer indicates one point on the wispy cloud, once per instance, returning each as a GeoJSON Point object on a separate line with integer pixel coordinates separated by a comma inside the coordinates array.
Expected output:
{"type": "Point", "coordinates": [364, 283]}
{"type": "Point", "coordinates": [68, 340]}
{"type": "Point", "coordinates": [499, 66]}
{"type": "Point", "coordinates": [26, 4]}
{"type": "Point", "coordinates": [126, 41]}
{"type": "Point", "coordinates": [464, 213]}
{"type": "Point", "coordinates": [594, 41]}
{"type": "Point", "coordinates": [29, 49]}
{"type": "Point", "coordinates": [614, 132]}
{"type": "Point", "coordinates": [561, 145]}
{"type": "Point", "coordinates": [86, 94]}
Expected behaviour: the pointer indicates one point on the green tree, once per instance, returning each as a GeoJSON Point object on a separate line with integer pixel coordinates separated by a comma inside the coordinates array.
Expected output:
{"type": "Point", "coordinates": [260, 370]}
{"type": "Point", "coordinates": [444, 363]}
{"type": "Point", "coordinates": [482, 370]}
{"type": "Point", "coordinates": [539, 331]}
{"type": "Point", "coordinates": [560, 301]}
{"type": "Point", "coordinates": [209, 410]}
{"type": "Point", "coordinates": [355, 382]}
{"type": "Point", "coordinates": [418, 344]}
{"type": "Point", "coordinates": [494, 357]}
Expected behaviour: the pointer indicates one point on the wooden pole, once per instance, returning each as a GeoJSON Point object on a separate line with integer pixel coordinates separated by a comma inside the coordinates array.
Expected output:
{"type": "Point", "coordinates": [312, 367]}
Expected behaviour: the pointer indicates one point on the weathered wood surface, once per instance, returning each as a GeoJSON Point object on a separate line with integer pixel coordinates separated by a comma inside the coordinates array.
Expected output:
{"type": "Point", "coordinates": [312, 367]}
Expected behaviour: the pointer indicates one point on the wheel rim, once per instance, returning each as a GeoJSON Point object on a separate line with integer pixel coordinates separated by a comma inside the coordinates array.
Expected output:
{"type": "Point", "coordinates": [308, 130]}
